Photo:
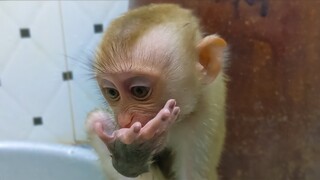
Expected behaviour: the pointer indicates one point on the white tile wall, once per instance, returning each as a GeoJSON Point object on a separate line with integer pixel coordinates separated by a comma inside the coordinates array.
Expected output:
{"type": "Point", "coordinates": [62, 38]}
{"type": "Point", "coordinates": [79, 18]}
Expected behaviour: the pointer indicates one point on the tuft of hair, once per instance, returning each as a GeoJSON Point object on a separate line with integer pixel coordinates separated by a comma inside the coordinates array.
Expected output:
{"type": "Point", "coordinates": [125, 32]}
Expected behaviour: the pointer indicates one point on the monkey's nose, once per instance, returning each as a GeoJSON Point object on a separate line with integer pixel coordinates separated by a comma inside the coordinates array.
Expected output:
{"type": "Point", "coordinates": [124, 120]}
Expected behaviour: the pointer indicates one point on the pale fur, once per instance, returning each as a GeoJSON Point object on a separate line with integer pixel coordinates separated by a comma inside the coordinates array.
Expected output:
{"type": "Point", "coordinates": [198, 135]}
{"type": "Point", "coordinates": [198, 138]}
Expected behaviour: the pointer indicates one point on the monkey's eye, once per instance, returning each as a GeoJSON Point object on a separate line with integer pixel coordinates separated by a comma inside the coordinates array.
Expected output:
{"type": "Point", "coordinates": [140, 92]}
{"type": "Point", "coordinates": [113, 93]}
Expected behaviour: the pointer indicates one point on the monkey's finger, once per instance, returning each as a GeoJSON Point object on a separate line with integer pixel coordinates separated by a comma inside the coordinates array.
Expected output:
{"type": "Point", "coordinates": [171, 103]}
{"type": "Point", "coordinates": [160, 122]}
{"type": "Point", "coordinates": [175, 112]}
{"type": "Point", "coordinates": [99, 116]}
{"type": "Point", "coordinates": [99, 130]}
{"type": "Point", "coordinates": [154, 125]}
{"type": "Point", "coordinates": [173, 116]}
{"type": "Point", "coordinates": [128, 135]}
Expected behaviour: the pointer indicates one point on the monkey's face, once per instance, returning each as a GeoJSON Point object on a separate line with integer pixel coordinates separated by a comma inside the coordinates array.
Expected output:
{"type": "Point", "coordinates": [132, 96]}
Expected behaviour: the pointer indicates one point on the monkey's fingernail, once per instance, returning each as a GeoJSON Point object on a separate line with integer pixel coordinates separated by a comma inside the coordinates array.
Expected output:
{"type": "Point", "coordinates": [136, 129]}
{"type": "Point", "coordinates": [171, 106]}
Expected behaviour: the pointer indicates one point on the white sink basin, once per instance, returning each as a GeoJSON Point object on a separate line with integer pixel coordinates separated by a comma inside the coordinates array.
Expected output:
{"type": "Point", "coordinates": [38, 161]}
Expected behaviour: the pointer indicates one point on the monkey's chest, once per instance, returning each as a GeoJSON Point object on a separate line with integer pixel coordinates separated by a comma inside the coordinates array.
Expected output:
{"type": "Point", "coordinates": [164, 161]}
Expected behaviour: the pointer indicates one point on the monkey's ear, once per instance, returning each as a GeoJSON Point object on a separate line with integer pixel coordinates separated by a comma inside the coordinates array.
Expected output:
{"type": "Point", "coordinates": [211, 49]}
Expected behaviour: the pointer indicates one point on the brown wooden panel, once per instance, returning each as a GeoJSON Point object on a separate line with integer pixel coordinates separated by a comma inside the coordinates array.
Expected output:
{"type": "Point", "coordinates": [274, 88]}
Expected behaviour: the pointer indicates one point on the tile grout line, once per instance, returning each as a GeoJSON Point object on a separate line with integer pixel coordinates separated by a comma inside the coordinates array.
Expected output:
{"type": "Point", "coordinates": [67, 68]}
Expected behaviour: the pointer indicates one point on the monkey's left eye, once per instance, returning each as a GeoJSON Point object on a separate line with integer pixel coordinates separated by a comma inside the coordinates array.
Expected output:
{"type": "Point", "coordinates": [140, 92]}
{"type": "Point", "coordinates": [113, 93]}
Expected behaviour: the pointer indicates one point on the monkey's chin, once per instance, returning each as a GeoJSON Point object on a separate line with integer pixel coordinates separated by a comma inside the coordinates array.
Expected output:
{"type": "Point", "coordinates": [132, 173]}
{"type": "Point", "coordinates": [130, 170]}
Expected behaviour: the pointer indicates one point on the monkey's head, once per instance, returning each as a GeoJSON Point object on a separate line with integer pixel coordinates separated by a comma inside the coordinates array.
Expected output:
{"type": "Point", "coordinates": [146, 58]}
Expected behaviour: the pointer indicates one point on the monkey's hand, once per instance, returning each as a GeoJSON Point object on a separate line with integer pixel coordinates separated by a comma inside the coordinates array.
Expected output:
{"type": "Point", "coordinates": [155, 127]}
{"type": "Point", "coordinates": [102, 125]}
{"type": "Point", "coordinates": [133, 148]}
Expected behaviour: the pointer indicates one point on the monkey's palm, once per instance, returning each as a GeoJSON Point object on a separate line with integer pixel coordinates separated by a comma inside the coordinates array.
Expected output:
{"type": "Point", "coordinates": [134, 146]}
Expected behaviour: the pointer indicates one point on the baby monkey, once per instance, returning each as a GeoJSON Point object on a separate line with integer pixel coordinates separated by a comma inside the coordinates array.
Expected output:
{"type": "Point", "coordinates": [164, 83]}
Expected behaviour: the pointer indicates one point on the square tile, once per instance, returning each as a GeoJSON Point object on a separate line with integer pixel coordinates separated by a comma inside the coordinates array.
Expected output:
{"type": "Point", "coordinates": [98, 28]}
{"type": "Point", "coordinates": [37, 121]}
{"type": "Point", "coordinates": [67, 76]}
{"type": "Point", "coordinates": [25, 33]}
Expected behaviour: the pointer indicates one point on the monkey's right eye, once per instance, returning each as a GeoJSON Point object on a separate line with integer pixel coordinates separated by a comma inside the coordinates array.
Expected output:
{"type": "Point", "coordinates": [140, 92]}
{"type": "Point", "coordinates": [113, 93]}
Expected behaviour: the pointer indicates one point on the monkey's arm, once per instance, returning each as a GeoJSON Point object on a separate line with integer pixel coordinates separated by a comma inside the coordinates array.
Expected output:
{"type": "Point", "coordinates": [132, 148]}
